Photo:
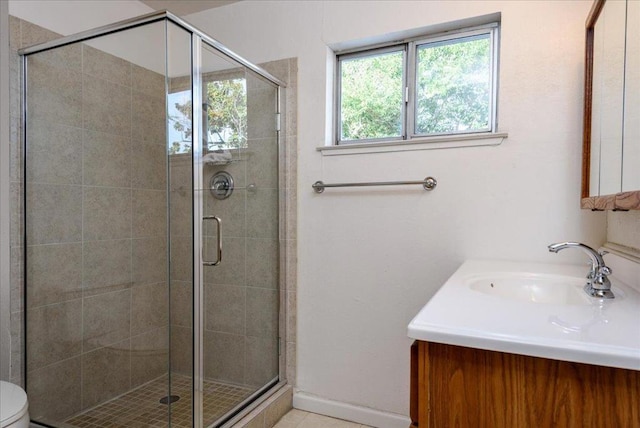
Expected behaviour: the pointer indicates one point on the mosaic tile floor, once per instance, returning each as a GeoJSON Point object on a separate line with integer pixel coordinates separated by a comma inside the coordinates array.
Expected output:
{"type": "Point", "coordinates": [141, 408]}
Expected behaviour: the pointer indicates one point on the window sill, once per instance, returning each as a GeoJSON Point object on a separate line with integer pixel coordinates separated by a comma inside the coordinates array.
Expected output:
{"type": "Point", "coordinates": [424, 143]}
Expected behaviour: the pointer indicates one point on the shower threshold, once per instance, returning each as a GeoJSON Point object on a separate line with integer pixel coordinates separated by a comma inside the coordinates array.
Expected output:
{"type": "Point", "coordinates": [142, 408]}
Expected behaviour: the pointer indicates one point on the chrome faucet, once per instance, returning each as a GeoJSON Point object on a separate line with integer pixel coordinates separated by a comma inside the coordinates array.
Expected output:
{"type": "Point", "coordinates": [598, 285]}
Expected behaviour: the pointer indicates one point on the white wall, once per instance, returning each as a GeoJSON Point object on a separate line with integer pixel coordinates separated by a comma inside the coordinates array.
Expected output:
{"type": "Point", "coordinates": [144, 46]}
{"type": "Point", "coordinates": [368, 260]}
{"type": "Point", "coordinates": [73, 16]}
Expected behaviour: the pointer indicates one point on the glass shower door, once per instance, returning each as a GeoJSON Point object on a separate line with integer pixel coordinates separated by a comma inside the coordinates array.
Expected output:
{"type": "Point", "coordinates": [240, 188]}
{"type": "Point", "coordinates": [96, 229]}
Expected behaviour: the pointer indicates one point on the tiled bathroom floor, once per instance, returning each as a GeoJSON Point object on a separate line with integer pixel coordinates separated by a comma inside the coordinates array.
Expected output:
{"type": "Point", "coordinates": [141, 408]}
{"type": "Point", "coordinates": [299, 419]}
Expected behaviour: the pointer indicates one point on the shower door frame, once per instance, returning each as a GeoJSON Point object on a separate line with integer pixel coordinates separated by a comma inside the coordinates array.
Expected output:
{"type": "Point", "coordinates": [198, 40]}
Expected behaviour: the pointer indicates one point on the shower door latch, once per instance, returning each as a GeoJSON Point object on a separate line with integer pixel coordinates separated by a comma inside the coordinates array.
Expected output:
{"type": "Point", "coordinates": [218, 241]}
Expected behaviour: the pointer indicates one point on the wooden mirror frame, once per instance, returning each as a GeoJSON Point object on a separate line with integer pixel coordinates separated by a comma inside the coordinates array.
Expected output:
{"type": "Point", "coordinates": [622, 201]}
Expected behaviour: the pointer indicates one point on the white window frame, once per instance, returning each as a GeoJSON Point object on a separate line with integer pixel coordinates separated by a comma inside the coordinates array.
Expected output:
{"type": "Point", "coordinates": [409, 47]}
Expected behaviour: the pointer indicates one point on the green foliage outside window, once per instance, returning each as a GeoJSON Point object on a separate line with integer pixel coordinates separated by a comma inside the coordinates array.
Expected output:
{"type": "Point", "coordinates": [453, 86]}
{"type": "Point", "coordinates": [371, 96]}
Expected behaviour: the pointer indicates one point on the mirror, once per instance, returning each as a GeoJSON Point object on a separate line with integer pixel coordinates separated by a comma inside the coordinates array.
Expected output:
{"type": "Point", "coordinates": [631, 147]}
{"type": "Point", "coordinates": [611, 154]}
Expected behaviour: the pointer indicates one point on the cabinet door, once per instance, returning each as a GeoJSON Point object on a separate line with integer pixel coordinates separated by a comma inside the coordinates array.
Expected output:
{"type": "Point", "coordinates": [419, 399]}
{"type": "Point", "coordinates": [464, 387]}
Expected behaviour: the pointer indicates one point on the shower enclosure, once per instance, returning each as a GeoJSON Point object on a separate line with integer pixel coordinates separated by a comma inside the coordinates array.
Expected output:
{"type": "Point", "coordinates": [151, 203]}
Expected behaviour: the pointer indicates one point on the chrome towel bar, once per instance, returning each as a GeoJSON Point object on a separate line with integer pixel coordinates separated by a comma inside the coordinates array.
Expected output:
{"type": "Point", "coordinates": [428, 183]}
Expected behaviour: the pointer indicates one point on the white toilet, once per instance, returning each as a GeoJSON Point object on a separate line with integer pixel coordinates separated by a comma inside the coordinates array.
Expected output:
{"type": "Point", "coordinates": [14, 408]}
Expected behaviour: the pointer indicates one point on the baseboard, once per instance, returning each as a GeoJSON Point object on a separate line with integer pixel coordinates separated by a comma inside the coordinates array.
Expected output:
{"type": "Point", "coordinates": [349, 412]}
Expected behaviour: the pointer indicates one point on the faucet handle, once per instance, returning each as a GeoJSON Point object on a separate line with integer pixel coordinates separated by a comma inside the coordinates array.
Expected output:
{"type": "Point", "coordinates": [604, 270]}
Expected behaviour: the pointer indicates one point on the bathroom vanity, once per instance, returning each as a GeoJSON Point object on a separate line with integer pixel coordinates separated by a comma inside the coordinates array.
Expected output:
{"type": "Point", "coordinates": [506, 344]}
{"type": "Point", "coordinates": [465, 387]}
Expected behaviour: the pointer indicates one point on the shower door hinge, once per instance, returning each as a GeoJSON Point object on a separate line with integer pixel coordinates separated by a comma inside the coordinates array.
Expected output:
{"type": "Point", "coordinates": [278, 116]}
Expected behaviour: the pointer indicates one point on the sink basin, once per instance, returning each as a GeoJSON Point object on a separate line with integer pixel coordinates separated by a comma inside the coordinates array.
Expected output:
{"type": "Point", "coordinates": [536, 288]}
{"type": "Point", "coordinates": [535, 309]}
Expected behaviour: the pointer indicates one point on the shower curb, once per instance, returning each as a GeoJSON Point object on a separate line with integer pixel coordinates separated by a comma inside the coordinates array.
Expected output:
{"type": "Point", "coordinates": [269, 412]}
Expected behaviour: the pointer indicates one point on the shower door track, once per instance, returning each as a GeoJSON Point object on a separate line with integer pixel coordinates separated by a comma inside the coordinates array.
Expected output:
{"type": "Point", "coordinates": [252, 401]}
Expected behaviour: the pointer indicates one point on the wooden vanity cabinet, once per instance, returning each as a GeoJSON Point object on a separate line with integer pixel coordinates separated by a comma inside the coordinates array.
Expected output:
{"type": "Point", "coordinates": [454, 386]}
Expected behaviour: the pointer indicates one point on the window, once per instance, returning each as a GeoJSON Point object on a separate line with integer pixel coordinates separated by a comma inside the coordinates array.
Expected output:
{"type": "Point", "coordinates": [430, 86]}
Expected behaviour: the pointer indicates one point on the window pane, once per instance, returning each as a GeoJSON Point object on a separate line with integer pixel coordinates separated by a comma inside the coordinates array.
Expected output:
{"type": "Point", "coordinates": [453, 86]}
{"type": "Point", "coordinates": [371, 96]}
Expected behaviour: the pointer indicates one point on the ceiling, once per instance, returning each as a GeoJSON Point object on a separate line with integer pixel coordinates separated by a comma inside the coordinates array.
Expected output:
{"type": "Point", "coordinates": [186, 7]}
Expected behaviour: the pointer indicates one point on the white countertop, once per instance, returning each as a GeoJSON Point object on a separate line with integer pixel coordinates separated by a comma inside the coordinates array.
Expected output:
{"type": "Point", "coordinates": [583, 329]}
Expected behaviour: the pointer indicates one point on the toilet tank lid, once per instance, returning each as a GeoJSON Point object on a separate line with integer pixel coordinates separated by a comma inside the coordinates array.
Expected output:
{"type": "Point", "coordinates": [13, 403]}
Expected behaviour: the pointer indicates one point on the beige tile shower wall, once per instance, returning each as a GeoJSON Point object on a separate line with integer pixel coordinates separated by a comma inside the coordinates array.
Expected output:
{"type": "Point", "coordinates": [623, 228]}
{"type": "Point", "coordinates": [21, 33]}
{"type": "Point", "coordinates": [287, 71]}
{"type": "Point", "coordinates": [288, 238]}
{"type": "Point", "coordinates": [97, 300]}
{"type": "Point", "coordinates": [181, 266]}
{"type": "Point", "coordinates": [267, 414]}
{"type": "Point", "coordinates": [241, 298]}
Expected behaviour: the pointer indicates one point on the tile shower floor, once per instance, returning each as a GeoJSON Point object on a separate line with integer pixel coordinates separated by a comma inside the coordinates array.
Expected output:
{"type": "Point", "coordinates": [141, 408]}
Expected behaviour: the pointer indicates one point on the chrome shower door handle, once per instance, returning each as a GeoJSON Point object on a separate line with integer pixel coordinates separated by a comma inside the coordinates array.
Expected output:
{"type": "Point", "coordinates": [218, 241]}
